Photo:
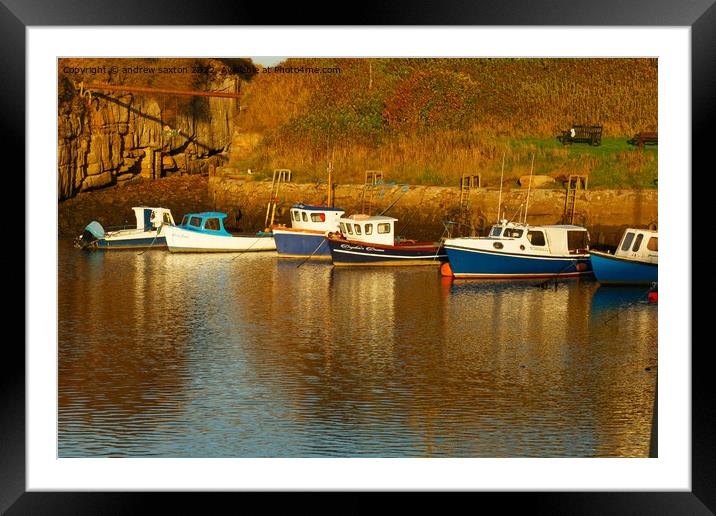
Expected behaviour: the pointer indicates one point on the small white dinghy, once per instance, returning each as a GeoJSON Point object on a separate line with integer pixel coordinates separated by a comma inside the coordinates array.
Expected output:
{"type": "Point", "coordinates": [204, 233]}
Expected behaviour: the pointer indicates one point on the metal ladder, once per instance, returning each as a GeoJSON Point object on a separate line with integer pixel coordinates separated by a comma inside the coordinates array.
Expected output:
{"type": "Point", "coordinates": [574, 184]}
{"type": "Point", "coordinates": [467, 183]}
{"type": "Point", "coordinates": [372, 178]}
{"type": "Point", "coordinates": [280, 176]}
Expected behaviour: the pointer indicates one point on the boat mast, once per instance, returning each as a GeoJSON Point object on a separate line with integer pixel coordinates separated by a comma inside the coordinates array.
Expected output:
{"type": "Point", "coordinates": [499, 199]}
{"type": "Point", "coordinates": [329, 197]}
{"type": "Point", "coordinates": [527, 203]}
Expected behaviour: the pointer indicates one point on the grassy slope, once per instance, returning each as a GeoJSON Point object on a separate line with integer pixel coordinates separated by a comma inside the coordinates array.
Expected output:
{"type": "Point", "coordinates": [428, 121]}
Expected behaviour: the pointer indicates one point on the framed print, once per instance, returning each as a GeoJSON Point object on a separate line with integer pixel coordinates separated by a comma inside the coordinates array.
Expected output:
{"type": "Point", "coordinates": [121, 404]}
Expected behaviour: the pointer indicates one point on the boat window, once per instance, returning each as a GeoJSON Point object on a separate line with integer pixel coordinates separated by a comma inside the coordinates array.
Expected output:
{"type": "Point", "coordinates": [195, 221]}
{"type": "Point", "coordinates": [185, 220]}
{"type": "Point", "coordinates": [368, 229]}
{"type": "Point", "coordinates": [653, 244]}
{"type": "Point", "coordinates": [212, 224]}
{"type": "Point", "coordinates": [318, 217]}
{"type": "Point", "coordinates": [637, 242]}
{"type": "Point", "coordinates": [628, 238]}
{"type": "Point", "coordinates": [167, 219]}
{"type": "Point", "coordinates": [384, 228]}
{"type": "Point", "coordinates": [296, 216]}
{"type": "Point", "coordinates": [357, 228]}
{"type": "Point", "coordinates": [536, 237]}
{"type": "Point", "coordinates": [513, 233]}
{"type": "Point", "coordinates": [577, 240]}
{"type": "Point", "coordinates": [349, 228]}
{"type": "Point", "coordinates": [496, 230]}
{"type": "Point", "coordinates": [304, 216]}
{"type": "Point", "coordinates": [343, 228]}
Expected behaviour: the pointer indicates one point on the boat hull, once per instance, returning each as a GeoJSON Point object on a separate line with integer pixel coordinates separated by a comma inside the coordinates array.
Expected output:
{"type": "Point", "coordinates": [187, 241]}
{"type": "Point", "coordinates": [614, 270]}
{"type": "Point", "coordinates": [349, 253]}
{"type": "Point", "coordinates": [296, 243]}
{"type": "Point", "coordinates": [475, 263]}
{"type": "Point", "coordinates": [131, 239]}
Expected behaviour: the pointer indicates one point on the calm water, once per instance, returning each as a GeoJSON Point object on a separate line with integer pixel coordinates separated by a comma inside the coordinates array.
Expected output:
{"type": "Point", "coordinates": [249, 356]}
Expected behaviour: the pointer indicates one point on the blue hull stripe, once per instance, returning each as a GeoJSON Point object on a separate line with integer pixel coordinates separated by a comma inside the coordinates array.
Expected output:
{"type": "Point", "coordinates": [625, 272]}
{"type": "Point", "coordinates": [301, 244]}
{"type": "Point", "coordinates": [133, 243]}
{"type": "Point", "coordinates": [478, 264]}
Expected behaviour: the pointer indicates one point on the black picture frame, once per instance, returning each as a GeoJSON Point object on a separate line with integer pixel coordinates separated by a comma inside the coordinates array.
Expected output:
{"type": "Point", "coordinates": [700, 15]}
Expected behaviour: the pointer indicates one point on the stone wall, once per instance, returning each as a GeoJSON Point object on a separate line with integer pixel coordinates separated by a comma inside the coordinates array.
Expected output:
{"type": "Point", "coordinates": [421, 210]}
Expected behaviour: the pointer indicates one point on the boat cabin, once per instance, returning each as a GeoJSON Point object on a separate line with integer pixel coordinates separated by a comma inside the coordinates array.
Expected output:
{"type": "Point", "coordinates": [151, 218]}
{"type": "Point", "coordinates": [376, 229]}
{"type": "Point", "coordinates": [641, 244]}
{"type": "Point", "coordinates": [551, 239]}
{"type": "Point", "coordinates": [317, 218]}
{"type": "Point", "coordinates": [210, 222]}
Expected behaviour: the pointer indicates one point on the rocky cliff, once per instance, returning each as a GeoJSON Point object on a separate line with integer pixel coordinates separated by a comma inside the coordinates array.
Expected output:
{"type": "Point", "coordinates": [109, 138]}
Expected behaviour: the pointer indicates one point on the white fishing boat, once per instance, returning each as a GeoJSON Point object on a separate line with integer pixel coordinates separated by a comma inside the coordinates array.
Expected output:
{"type": "Point", "coordinates": [517, 250]}
{"type": "Point", "coordinates": [205, 233]}
{"type": "Point", "coordinates": [149, 231]}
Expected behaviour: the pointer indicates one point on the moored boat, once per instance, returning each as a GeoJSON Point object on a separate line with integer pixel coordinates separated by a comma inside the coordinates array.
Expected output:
{"type": "Point", "coordinates": [370, 240]}
{"type": "Point", "coordinates": [149, 232]}
{"type": "Point", "coordinates": [518, 250]}
{"type": "Point", "coordinates": [205, 233]}
{"type": "Point", "coordinates": [635, 261]}
{"type": "Point", "coordinates": [306, 236]}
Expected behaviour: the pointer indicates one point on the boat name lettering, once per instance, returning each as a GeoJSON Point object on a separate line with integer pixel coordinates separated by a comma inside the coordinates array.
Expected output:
{"type": "Point", "coordinates": [350, 247]}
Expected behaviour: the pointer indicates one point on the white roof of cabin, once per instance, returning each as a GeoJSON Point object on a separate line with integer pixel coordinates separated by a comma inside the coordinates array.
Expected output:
{"type": "Point", "coordinates": [359, 217]}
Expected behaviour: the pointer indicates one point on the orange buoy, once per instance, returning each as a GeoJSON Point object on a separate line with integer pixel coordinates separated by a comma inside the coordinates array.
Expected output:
{"type": "Point", "coordinates": [446, 270]}
{"type": "Point", "coordinates": [653, 297]}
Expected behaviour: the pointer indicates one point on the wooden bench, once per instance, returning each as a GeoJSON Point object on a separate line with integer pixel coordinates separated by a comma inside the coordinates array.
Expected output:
{"type": "Point", "coordinates": [591, 134]}
{"type": "Point", "coordinates": [641, 139]}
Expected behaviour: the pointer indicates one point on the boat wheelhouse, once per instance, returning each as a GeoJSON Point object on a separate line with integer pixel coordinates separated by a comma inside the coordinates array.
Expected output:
{"type": "Point", "coordinates": [371, 240]}
{"type": "Point", "coordinates": [517, 250]}
{"type": "Point", "coordinates": [306, 236]}
{"type": "Point", "coordinates": [148, 232]}
{"type": "Point", "coordinates": [205, 233]}
{"type": "Point", "coordinates": [635, 261]}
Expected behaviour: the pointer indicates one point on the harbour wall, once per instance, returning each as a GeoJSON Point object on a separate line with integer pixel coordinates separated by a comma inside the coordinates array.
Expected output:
{"type": "Point", "coordinates": [422, 210]}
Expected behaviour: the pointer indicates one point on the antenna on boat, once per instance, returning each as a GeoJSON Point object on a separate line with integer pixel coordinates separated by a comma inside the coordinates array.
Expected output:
{"type": "Point", "coordinates": [329, 199]}
{"type": "Point", "coordinates": [527, 203]}
{"type": "Point", "coordinates": [499, 199]}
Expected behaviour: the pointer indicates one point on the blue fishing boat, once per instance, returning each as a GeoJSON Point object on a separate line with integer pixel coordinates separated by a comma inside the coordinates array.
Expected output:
{"type": "Point", "coordinates": [205, 233]}
{"type": "Point", "coordinates": [370, 240]}
{"type": "Point", "coordinates": [518, 250]}
{"type": "Point", "coordinates": [635, 261]}
{"type": "Point", "coordinates": [149, 232]}
{"type": "Point", "coordinates": [306, 236]}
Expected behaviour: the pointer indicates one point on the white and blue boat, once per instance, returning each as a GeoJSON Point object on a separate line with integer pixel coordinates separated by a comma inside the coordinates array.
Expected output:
{"type": "Point", "coordinates": [306, 236]}
{"type": "Point", "coordinates": [149, 232]}
{"type": "Point", "coordinates": [205, 233]}
{"type": "Point", "coordinates": [517, 250]}
{"type": "Point", "coordinates": [635, 261]}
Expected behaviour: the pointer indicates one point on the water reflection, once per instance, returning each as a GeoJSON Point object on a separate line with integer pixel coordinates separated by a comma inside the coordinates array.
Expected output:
{"type": "Point", "coordinates": [248, 356]}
